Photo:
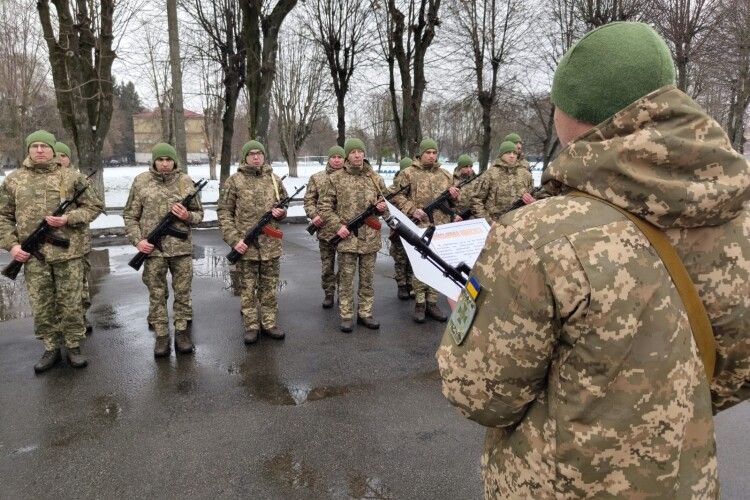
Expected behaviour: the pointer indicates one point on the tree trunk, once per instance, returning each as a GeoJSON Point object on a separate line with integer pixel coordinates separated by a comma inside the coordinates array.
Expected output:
{"type": "Point", "coordinates": [176, 67]}
{"type": "Point", "coordinates": [341, 122]}
{"type": "Point", "coordinates": [484, 152]}
{"type": "Point", "coordinates": [227, 123]}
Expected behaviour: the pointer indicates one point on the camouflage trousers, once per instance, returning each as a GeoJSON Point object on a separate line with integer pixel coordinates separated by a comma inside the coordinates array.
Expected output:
{"type": "Point", "coordinates": [155, 277]}
{"type": "Point", "coordinates": [55, 291]}
{"type": "Point", "coordinates": [259, 284]}
{"type": "Point", "coordinates": [366, 295]}
{"type": "Point", "coordinates": [86, 294]}
{"type": "Point", "coordinates": [328, 264]}
{"type": "Point", "coordinates": [423, 292]}
{"type": "Point", "coordinates": [401, 265]}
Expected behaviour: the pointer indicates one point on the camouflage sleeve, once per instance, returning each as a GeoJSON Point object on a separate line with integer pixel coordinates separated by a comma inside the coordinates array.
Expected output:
{"type": "Point", "coordinates": [478, 197]}
{"type": "Point", "coordinates": [8, 234]}
{"type": "Point", "coordinates": [131, 215]}
{"type": "Point", "coordinates": [401, 201]}
{"type": "Point", "coordinates": [501, 366]}
{"type": "Point", "coordinates": [311, 199]}
{"type": "Point", "coordinates": [225, 213]}
{"type": "Point", "coordinates": [88, 206]}
{"type": "Point", "coordinates": [327, 206]}
{"type": "Point", "coordinates": [195, 208]}
{"type": "Point", "coordinates": [283, 193]}
{"type": "Point", "coordinates": [383, 191]}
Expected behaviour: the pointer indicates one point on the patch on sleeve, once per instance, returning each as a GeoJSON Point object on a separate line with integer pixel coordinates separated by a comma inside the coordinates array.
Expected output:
{"type": "Point", "coordinates": [463, 316]}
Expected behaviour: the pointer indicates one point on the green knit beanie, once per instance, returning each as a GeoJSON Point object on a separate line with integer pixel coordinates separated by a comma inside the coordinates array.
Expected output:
{"type": "Point", "coordinates": [252, 146]}
{"type": "Point", "coordinates": [465, 161]}
{"type": "Point", "coordinates": [352, 144]}
{"type": "Point", "coordinates": [61, 147]}
{"type": "Point", "coordinates": [426, 144]}
{"type": "Point", "coordinates": [506, 147]}
{"type": "Point", "coordinates": [164, 149]}
{"type": "Point", "coordinates": [610, 68]}
{"type": "Point", "coordinates": [336, 151]}
{"type": "Point", "coordinates": [40, 136]}
{"type": "Point", "coordinates": [405, 162]}
{"type": "Point", "coordinates": [513, 137]}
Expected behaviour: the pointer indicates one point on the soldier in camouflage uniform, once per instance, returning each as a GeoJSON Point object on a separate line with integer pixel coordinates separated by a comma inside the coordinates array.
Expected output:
{"type": "Point", "coordinates": [502, 184]}
{"type": "Point", "coordinates": [244, 198]}
{"type": "Point", "coordinates": [55, 284]}
{"type": "Point", "coordinates": [313, 194]}
{"type": "Point", "coordinates": [152, 195]}
{"type": "Point", "coordinates": [521, 160]}
{"type": "Point", "coordinates": [580, 358]}
{"type": "Point", "coordinates": [427, 180]}
{"type": "Point", "coordinates": [401, 266]}
{"type": "Point", "coordinates": [464, 171]}
{"type": "Point", "coordinates": [63, 157]}
{"type": "Point", "coordinates": [349, 192]}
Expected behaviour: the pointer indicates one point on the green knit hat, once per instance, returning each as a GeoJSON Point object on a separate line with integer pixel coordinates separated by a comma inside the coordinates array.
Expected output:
{"type": "Point", "coordinates": [506, 147]}
{"type": "Point", "coordinates": [252, 146]}
{"type": "Point", "coordinates": [164, 149]}
{"type": "Point", "coordinates": [405, 162]}
{"type": "Point", "coordinates": [336, 151]}
{"type": "Point", "coordinates": [352, 144]}
{"type": "Point", "coordinates": [426, 144]}
{"type": "Point", "coordinates": [610, 68]}
{"type": "Point", "coordinates": [40, 136]}
{"type": "Point", "coordinates": [61, 147]}
{"type": "Point", "coordinates": [513, 137]}
{"type": "Point", "coordinates": [465, 161]}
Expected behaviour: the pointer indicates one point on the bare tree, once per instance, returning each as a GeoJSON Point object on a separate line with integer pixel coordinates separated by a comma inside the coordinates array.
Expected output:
{"type": "Point", "coordinates": [157, 74]}
{"type": "Point", "coordinates": [600, 12]}
{"type": "Point", "coordinates": [261, 22]}
{"type": "Point", "coordinates": [380, 123]}
{"type": "Point", "coordinates": [299, 96]}
{"type": "Point", "coordinates": [733, 35]}
{"type": "Point", "coordinates": [340, 27]}
{"type": "Point", "coordinates": [211, 90]}
{"type": "Point", "coordinates": [175, 66]}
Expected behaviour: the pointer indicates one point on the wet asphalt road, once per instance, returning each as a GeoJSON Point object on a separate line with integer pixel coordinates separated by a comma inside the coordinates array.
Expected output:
{"type": "Point", "coordinates": [321, 414]}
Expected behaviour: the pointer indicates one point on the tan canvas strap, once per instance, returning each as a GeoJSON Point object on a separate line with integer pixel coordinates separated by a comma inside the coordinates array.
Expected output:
{"type": "Point", "coordinates": [696, 312]}
{"type": "Point", "coordinates": [275, 187]}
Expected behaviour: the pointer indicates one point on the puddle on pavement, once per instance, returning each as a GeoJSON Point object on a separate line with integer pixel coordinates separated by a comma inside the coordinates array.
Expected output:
{"type": "Point", "coordinates": [430, 375]}
{"type": "Point", "coordinates": [107, 408]}
{"type": "Point", "coordinates": [360, 485]}
{"type": "Point", "coordinates": [25, 449]}
{"type": "Point", "coordinates": [104, 317]}
{"type": "Point", "coordinates": [285, 469]}
{"type": "Point", "coordinates": [208, 262]}
{"type": "Point", "coordinates": [272, 391]}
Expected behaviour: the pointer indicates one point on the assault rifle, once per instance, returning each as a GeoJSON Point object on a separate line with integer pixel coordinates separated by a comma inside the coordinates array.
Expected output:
{"type": "Point", "coordinates": [44, 233]}
{"type": "Point", "coordinates": [459, 274]}
{"type": "Point", "coordinates": [166, 228]}
{"type": "Point", "coordinates": [262, 227]}
{"type": "Point", "coordinates": [367, 216]}
{"type": "Point", "coordinates": [441, 202]}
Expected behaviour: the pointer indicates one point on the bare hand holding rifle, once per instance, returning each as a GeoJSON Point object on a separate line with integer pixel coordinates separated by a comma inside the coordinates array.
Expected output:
{"type": "Point", "coordinates": [166, 228]}
{"type": "Point", "coordinates": [251, 237]}
{"type": "Point", "coordinates": [367, 216]}
{"type": "Point", "coordinates": [43, 234]}
{"type": "Point", "coordinates": [441, 203]}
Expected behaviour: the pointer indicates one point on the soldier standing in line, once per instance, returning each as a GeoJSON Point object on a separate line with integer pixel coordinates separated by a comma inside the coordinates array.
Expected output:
{"type": "Point", "coordinates": [313, 194]}
{"type": "Point", "coordinates": [152, 195]}
{"type": "Point", "coordinates": [55, 283]}
{"type": "Point", "coordinates": [502, 184]}
{"type": "Point", "coordinates": [63, 157]}
{"type": "Point", "coordinates": [245, 197]}
{"type": "Point", "coordinates": [427, 180]}
{"type": "Point", "coordinates": [349, 192]}
{"type": "Point", "coordinates": [464, 171]}
{"type": "Point", "coordinates": [520, 156]}
{"type": "Point", "coordinates": [401, 266]}
{"type": "Point", "coordinates": [578, 352]}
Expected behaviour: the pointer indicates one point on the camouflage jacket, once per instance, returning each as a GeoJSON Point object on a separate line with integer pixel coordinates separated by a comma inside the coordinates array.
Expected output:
{"type": "Point", "coordinates": [34, 191]}
{"type": "Point", "coordinates": [523, 162]}
{"type": "Point", "coordinates": [467, 191]}
{"type": "Point", "coordinates": [580, 358]}
{"type": "Point", "coordinates": [87, 233]}
{"type": "Point", "coordinates": [245, 197]}
{"type": "Point", "coordinates": [151, 198]}
{"type": "Point", "coordinates": [313, 195]}
{"type": "Point", "coordinates": [498, 188]}
{"type": "Point", "coordinates": [426, 183]}
{"type": "Point", "coordinates": [348, 193]}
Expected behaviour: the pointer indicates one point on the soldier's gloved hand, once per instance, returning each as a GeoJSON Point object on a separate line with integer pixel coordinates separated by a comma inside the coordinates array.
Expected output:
{"type": "Point", "coordinates": [380, 206]}
{"type": "Point", "coordinates": [317, 221]}
{"type": "Point", "coordinates": [420, 214]}
{"type": "Point", "coordinates": [527, 198]}
{"type": "Point", "coordinates": [457, 218]}
{"type": "Point", "coordinates": [56, 221]}
{"type": "Point", "coordinates": [343, 232]}
{"type": "Point", "coordinates": [241, 247]}
{"type": "Point", "coordinates": [454, 191]}
{"type": "Point", "coordinates": [18, 254]}
{"type": "Point", "coordinates": [145, 247]}
{"type": "Point", "coordinates": [278, 213]}
{"type": "Point", "coordinates": [180, 211]}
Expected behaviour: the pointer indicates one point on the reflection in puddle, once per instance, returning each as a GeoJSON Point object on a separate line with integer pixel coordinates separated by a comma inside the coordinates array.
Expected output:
{"type": "Point", "coordinates": [14, 301]}
{"type": "Point", "coordinates": [208, 262]}
{"type": "Point", "coordinates": [272, 391]}
{"type": "Point", "coordinates": [108, 408]}
{"type": "Point", "coordinates": [362, 486]}
{"type": "Point", "coordinates": [290, 472]}
{"type": "Point", "coordinates": [105, 317]}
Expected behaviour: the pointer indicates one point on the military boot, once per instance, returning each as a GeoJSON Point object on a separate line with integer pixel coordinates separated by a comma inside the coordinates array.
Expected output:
{"type": "Point", "coordinates": [161, 347]}
{"type": "Point", "coordinates": [419, 312]}
{"type": "Point", "coordinates": [76, 359]}
{"type": "Point", "coordinates": [434, 312]}
{"type": "Point", "coordinates": [403, 292]}
{"type": "Point", "coordinates": [48, 360]}
{"type": "Point", "coordinates": [368, 322]}
{"type": "Point", "coordinates": [328, 301]}
{"type": "Point", "coordinates": [250, 337]}
{"type": "Point", "coordinates": [182, 342]}
{"type": "Point", "coordinates": [346, 325]}
{"type": "Point", "coordinates": [274, 333]}
{"type": "Point", "coordinates": [89, 326]}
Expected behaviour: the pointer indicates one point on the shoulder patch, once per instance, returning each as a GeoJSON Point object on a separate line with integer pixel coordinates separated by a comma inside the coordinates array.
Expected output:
{"type": "Point", "coordinates": [462, 317]}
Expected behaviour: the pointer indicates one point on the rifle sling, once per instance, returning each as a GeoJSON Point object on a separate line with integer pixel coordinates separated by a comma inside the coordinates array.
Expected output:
{"type": "Point", "coordinates": [696, 312]}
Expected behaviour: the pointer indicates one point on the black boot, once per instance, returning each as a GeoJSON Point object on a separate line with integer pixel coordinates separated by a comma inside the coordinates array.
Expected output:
{"type": "Point", "coordinates": [76, 359]}
{"type": "Point", "coordinates": [346, 325]}
{"type": "Point", "coordinates": [419, 312]}
{"type": "Point", "coordinates": [274, 333]}
{"type": "Point", "coordinates": [403, 292]}
{"type": "Point", "coordinates": [328, 301]}
{"type": "Point", "coordinates": [48, 360]}
{"type": "Point", "coordinates": [250, 337]}
{"type": "Point", "coordinates": [161, 347]}
{"type": "Point", "coordinates": [89, 326]}
{"type": "Point", "coordinates": [182, 342]}
{"type": "Point", "coordinates": [434, 312]}
{"type": "Point", "coordinates": [368, 322]}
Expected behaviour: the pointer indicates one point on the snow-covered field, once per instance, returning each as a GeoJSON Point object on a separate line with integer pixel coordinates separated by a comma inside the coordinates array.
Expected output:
{"type": "Point", "coordinates": [117, 182]}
